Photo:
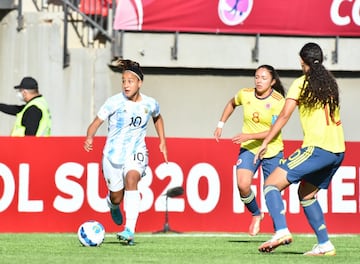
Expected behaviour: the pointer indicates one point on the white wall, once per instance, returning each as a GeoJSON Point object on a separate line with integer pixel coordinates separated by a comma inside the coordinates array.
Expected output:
{"type": "Point", "coordinates": [235, 51]}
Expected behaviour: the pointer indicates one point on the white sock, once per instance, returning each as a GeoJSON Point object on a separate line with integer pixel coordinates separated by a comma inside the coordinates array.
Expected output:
{"type": "Point", "coordinates": [282, 232]}
{"type": "Point", "coordinates": [132, 208]}
{"type": "Point", "coordinates": [327, 244]}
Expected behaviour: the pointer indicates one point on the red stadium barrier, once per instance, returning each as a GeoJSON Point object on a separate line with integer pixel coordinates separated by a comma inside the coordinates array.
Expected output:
{"type": "Point", "coordinates": [53, 185]}
{"type": "Point", "coordinates": [95, 7]}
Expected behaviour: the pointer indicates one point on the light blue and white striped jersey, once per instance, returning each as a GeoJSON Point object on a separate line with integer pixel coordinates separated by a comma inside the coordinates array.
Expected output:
{"type": "Point", "coordinates": [127, 124]}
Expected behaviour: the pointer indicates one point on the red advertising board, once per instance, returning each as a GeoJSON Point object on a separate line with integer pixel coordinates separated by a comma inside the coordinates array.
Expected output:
{"type": "Point", "coordinates": [277, 17]}
{"type": "Point", "coordinates": [53, 185]}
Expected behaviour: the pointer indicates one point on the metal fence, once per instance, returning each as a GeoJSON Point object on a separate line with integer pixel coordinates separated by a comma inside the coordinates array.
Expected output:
{"type": "Point", "coordinates": [91, 20]}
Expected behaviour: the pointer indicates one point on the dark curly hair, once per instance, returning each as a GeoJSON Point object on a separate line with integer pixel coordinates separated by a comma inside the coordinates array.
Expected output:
{"type": "Point", "coordinates": [320, 87]}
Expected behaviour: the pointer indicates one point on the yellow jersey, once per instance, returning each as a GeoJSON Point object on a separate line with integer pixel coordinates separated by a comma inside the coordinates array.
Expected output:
{"type": "Point", "coordinates": [259, 114]}
{"type": "Point", "coordinates": [318, 128]}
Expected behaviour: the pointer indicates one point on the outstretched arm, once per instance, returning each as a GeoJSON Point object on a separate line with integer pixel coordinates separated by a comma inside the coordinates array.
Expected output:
{"type": "Point", "coordinates": [242, 137]}
{"type": "Point", "coordinates": [11, 109]}
{"type": "Point", "coordinates": [160, 130]}
{"type": "Point", "coordinates": [91, 131]}
{"type": "Point", "coordinates": [228, 110]}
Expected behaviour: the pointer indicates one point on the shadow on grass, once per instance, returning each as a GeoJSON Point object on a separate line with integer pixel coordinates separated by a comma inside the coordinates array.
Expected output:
{"type": "Point", "coordinates": [279, 251]}
{"type": "Point", "coordinates": [290, 252]}
{"type": "Point", "coordinates": [246, 241]}
{"type": "Point", "coordinates": [121, 243]}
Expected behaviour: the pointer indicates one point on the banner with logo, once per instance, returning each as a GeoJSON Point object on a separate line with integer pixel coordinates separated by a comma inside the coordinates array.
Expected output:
{"type": "Point", "coordinates": [279, 17]}
{"type": "Point", "coordinates": [53, 185]}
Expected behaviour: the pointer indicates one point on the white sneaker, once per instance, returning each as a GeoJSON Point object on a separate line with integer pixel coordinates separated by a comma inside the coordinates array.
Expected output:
{"type": "Point", "coordinates": [326, 249]}
{"type": "Point", "coordinates": [279, 239]}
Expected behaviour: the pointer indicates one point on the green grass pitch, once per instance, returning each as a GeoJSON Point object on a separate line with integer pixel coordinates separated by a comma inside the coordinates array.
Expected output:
{"type": "Point", "coordinates": [169, 248]}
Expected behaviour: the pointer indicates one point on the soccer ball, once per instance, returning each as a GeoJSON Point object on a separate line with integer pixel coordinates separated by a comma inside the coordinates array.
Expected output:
{"type": "Point", "coordinates": [91, 233]}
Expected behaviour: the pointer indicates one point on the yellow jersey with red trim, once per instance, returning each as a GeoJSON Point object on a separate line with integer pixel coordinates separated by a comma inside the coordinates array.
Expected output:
{"type": "Point", "coordinates": [259, 115]}
{"type": "Point", "coordinates": [318, 127]}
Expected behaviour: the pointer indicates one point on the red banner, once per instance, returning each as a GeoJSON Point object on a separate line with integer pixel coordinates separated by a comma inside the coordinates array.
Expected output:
{"type": "Point", "coordinates": [279, 17]}
{"type": "Point", "coordinates": [53, 185]}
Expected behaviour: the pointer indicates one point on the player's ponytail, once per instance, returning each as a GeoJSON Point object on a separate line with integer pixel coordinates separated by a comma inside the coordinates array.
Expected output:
{"type": "Point", "coordinates": [320, 88]}
{"type": "Point", "coordinates": [121, 65]}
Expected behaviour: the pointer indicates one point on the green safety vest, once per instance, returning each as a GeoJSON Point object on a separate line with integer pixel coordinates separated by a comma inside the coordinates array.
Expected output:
{"type": "Point", "coordinates": [44, 128]}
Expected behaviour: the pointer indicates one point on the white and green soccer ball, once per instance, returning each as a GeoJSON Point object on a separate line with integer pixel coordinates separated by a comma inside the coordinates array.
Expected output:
{"type": "Point", "coordinates": [91, 233]}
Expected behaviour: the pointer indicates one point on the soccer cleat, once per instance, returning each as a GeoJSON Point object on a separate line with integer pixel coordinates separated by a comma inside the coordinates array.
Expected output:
{"type": "Point", "coordinates": [254, 227]}
{"type": "Point", "coordinates": [116, 215]}
{"type": "Point", "coordinates": [326, 249]}
{"type": "Point", "coordinates": [275, 241]}
{"type": "Point", "coordinates": [126, 235]}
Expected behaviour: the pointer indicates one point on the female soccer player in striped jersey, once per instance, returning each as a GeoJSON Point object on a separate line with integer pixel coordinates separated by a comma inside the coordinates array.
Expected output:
{"type": "Point", "coordinates": [261, 106]}
{"type": "Point", "coordinates": [313, 165]}
{"type": "Point", "coordinates": [125, 156]}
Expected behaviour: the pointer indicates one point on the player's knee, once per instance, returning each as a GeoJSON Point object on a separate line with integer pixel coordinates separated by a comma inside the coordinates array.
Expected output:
{"type": "Point", "coordinates": [307, 192]}
{"type": "Point", "coordinates": [244, 190]}
{"type": "Point", "coordinates": [116, 197]}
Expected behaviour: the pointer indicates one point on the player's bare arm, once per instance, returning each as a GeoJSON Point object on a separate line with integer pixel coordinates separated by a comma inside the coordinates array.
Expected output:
{"type": "Point", "coordinates": [228, 110]}
{"type": "Point", "coordinates": [91, 131]}
{"type": "Point", "coordinates": [242, 137]}
{"type": "Point", "coordinates": [159, 126]}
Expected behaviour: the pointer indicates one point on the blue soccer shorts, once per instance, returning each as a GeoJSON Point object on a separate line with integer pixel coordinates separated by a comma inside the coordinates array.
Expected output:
{"type": "Point", "coordinates": [246, 161]}
{"type": "Point", "coordinates": [312, 164]}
